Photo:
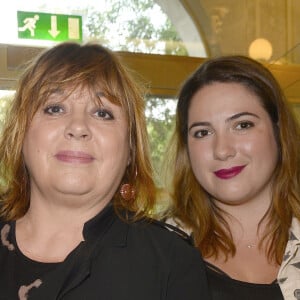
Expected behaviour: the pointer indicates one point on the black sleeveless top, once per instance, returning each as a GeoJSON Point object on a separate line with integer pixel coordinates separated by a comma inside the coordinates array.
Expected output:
{"type": "Point", "coordinates": [223, 287]}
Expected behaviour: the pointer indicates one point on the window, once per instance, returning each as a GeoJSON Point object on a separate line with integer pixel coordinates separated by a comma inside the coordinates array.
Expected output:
{"type": "Point", "coordinates": [5, 97]}
{"type": "Point", "coordinates": [160, 114]}
{"type": "Point", "coordinates": [126, 25]}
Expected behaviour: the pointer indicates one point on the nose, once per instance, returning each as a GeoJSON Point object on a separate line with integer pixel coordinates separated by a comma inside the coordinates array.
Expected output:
{"type": "Point", "coordinates": [224, 147]}
{"type": "Point", "coordinates": [77, 128]}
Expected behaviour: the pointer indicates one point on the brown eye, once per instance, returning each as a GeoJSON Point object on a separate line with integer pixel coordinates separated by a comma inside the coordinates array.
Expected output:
{"type": "Point", "coordinates": [244, 125]}
{"type": "Point", "coordinates": [53, 109]}
{"type": "Point", "coordinates": [201, 133]}
{"type": "Point", "coordinates": [104, 114]}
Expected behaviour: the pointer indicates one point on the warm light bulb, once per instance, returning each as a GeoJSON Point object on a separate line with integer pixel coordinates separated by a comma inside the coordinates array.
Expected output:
{"type": "Point", "coordinates": [260, 49]}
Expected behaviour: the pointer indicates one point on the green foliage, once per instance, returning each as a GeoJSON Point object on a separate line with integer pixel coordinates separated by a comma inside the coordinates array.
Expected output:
{"type": "Point", "coordinates": [131, 26]}
{"type": "Point", "coordinates": [4, 103]}
{"type": "Point", "coordinates": [160, 122]}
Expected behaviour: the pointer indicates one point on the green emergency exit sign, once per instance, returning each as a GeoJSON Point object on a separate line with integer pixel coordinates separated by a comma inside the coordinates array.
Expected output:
{"type": "Point", "coordinates": [51, 27]}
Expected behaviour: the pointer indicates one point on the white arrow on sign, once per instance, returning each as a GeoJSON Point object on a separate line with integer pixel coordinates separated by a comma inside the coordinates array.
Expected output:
{"type": "Point", "coordinates": [54, 32]}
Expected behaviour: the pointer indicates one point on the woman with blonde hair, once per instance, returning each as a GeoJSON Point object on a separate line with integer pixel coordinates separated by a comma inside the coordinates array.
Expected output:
{"type": "Point", "coordinates": [77, 189]}
{"type": "Point", "coordinates": [236, 179]}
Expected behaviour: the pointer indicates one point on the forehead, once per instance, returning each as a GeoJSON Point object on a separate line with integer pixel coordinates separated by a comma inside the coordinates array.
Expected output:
{"type": "Point", "coordinates": [223, 98]}
{"type": "Point", "coordinates": [81, 94]}
{"type": "Point", "coordinates": [69, 93]}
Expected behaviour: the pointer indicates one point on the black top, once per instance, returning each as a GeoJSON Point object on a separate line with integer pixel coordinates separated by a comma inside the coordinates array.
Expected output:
{"type": "Point", "coordinates": [117, 260]}
{"type": "Point", "coordinates": [223, 287]}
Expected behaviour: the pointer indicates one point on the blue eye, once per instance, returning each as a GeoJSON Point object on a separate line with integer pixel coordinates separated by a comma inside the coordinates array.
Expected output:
{"type": "Point", "coordinates": [53, 109]}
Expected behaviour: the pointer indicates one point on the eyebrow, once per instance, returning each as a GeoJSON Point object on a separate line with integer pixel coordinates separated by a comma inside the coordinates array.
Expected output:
{"type": "Point", "coordinates": [234, 117]}
{"type": "Point", "coordinates": [56, 90]}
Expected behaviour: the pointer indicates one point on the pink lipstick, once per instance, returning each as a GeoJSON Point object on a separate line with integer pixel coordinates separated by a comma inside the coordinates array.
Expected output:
{"type": "Point", "coordinates": [229, 173]}
{"type": "Point", "coordinates": [74, 157]}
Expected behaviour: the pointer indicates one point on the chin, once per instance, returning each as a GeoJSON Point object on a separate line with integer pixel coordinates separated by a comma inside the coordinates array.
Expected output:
{"type": "Point", "coordinates": [229, 199]}
{"type": "Point", "coordinates": [73, 189]}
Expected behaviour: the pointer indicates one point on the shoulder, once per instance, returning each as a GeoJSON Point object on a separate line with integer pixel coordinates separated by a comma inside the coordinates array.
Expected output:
{"type": "Point", "coordinates": [295, 228]}
{"type": "Point", "coordinates": [152, 239]}
{"type": "Point", "coordinates": [289, 273]}
{"type": "Point", "coordinates": [173, 254]}
{"type": "Point", "coordinates": [158, 260]}
{"type": "Point", "coordinates": [159, 235]}
{"type": "Point", "coordinates": [178, 224]}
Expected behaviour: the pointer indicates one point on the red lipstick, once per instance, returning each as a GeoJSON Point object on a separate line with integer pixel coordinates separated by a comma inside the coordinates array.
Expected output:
{"type": "Point", "coordinates": [74, 157]}
{"type": "Point", "coordinates": [229, 173]}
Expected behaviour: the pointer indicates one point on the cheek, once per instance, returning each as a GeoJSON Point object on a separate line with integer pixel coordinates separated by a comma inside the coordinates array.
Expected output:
{"type": "Point", "coordinates": [263, 146]}
{"type": "Point", "coordinates": [200, 152]}
{"type": "Point", "coordinates": [114, 144]}
{"type": "Point", "coordinates": [31, 154]}
{"type": "Point", "coordinates": [248, 147]}
{"type": "Point", "coordinates": [37, 141]}
{"type": "Point", "coordinates": [200, 158]}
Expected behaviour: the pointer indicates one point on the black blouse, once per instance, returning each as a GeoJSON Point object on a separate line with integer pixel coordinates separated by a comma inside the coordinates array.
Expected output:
{"type": "Point", "coordinates": [223, 287]}
{"type": "Point", "coordinates": [117, 260]}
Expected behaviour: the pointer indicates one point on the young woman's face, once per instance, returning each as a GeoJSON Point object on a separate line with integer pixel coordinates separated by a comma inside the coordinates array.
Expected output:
{"type": "Point", "coordinates": [77, 147]}
{"type": "Point", "coordinates": [231, 143]}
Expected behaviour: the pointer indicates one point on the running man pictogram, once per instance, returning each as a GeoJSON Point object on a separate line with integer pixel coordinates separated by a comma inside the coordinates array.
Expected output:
{"type": "Point", "coordinates": [29, 24]}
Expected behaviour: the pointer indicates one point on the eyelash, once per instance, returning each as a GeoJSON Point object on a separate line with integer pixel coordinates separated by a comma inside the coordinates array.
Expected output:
{"type": "Point", "coordinates": [242, 125]}
{"type": "Point", "coordinates": [104, 114]}
{"type": "Point", "coordinates": [99, 113]}
{"type": "Point", "coordinates": [49, 109]}
{"type": "Point", "coordinates": [248, 124]}
{"type": "Point", "coordinates": [199, 133]}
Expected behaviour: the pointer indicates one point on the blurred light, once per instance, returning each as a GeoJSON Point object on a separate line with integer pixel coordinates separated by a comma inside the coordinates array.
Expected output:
{"type": "Point", "coordinates": [260, 49]}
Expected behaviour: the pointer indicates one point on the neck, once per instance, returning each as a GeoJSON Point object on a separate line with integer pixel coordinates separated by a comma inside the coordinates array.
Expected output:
{"type": "Point", "coordinates": [49, 232]}
{"type": "Point", "coordinates": [48, 238]}
{"type": "Point", "coordinates": [58, 209]}
{"type": "Point", "coordinates": [247, 222]}
{"type": "Point", "coordinates": [252, 210]}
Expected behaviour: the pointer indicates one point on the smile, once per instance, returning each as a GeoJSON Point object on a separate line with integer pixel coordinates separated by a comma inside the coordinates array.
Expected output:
{"type": "Point", "coordinates": [74, 157]}
{"type": "Point", "coordinates": [229, 173]}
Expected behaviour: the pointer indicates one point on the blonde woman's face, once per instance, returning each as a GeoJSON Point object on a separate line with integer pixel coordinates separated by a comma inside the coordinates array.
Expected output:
{"type": "Point", "coordinates": [77, 149]}
{"type": "Point", "coordinates": [231, 144]}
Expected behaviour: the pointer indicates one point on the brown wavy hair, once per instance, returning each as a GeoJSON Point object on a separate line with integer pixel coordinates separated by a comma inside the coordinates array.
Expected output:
{"type": "Point", "coordinates": [70, 65]}
{"type": "Point", "coordinates": [192, 204]}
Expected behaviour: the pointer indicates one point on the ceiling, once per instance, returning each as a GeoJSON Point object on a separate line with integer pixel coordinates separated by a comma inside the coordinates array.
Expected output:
{"type": "Point", "coordinates": [266, 30]}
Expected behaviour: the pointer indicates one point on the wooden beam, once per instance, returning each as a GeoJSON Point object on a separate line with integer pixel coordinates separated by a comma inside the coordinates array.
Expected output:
{"type": "Point", "coordinates": [162, 74]}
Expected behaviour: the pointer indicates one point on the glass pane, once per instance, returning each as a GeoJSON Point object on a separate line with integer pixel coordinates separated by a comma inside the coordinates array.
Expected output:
{"type": "Point", "coordinates": [125, 25]}
{"type": "Point", "coordinates": [290, 57]}
{"type": "Point", "coordinates": [160, 114]}
{"type": "Point", "coordinates": [5, 97]}
{"type": "Point", "coordinates": [135, 26]}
